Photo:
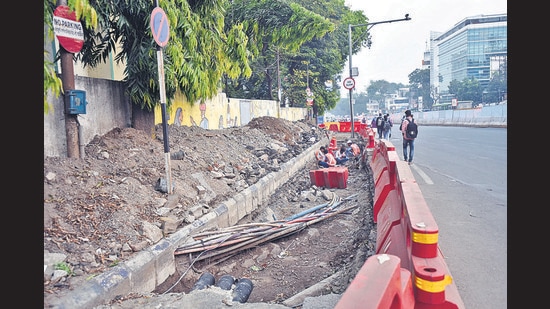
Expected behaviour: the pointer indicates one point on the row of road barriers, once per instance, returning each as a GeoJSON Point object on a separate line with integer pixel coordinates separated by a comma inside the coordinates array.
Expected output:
{"type": "Point", "coordinates": [408, 269]}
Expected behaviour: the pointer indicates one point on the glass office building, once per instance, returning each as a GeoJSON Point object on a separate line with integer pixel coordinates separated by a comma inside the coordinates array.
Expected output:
{"type": "Point", "coordinates": [475, 47]}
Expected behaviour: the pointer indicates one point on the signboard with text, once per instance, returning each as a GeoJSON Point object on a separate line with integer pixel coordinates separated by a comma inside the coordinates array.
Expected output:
{"type": "Point", "coordinates": [67, 29]}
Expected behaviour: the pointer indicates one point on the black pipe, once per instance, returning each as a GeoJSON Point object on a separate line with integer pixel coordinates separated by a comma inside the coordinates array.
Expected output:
{"type": "Point", "coordinates": [243, 289]}
{"type": "Point", "coordinates": [205, 280]}
{"type": "Point", "coordinates": [225, 282]}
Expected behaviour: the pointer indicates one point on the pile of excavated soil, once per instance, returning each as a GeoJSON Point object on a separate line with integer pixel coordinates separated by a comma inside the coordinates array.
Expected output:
{"type": "Point", "coordinates": [102, 209]}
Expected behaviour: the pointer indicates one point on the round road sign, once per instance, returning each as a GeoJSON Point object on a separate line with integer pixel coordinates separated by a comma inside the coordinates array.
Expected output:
{"type": "Point", "coordinates": [160, 26]}
{"type": "Point", "coordinates": [349, 83]}
{"type": "Point", "coordinates": [67, 29]}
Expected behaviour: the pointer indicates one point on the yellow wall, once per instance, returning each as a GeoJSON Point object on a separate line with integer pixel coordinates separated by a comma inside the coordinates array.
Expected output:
{"type": "Point", "coordinates": [224, 113]}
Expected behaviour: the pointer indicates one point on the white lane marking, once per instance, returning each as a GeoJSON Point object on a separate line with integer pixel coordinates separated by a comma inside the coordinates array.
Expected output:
{"type": "Point", "coordinates": [427, 179]}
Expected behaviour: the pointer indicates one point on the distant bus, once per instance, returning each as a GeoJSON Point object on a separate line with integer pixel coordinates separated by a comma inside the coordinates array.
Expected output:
{"type": "Point", "coordinates": [464, 104]}
{"type": "Point", "coordinates": [399, 104]}
{"type": "Point", "coordinates": [441, 106]}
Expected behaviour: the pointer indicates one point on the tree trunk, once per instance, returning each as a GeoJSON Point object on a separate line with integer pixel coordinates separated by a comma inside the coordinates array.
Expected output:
{"type": "Point", "coordinates": [143, 120]}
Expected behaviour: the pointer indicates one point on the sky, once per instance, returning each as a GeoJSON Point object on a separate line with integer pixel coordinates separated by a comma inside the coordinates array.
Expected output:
{"type": "Point", "coordinates": [398, 48]}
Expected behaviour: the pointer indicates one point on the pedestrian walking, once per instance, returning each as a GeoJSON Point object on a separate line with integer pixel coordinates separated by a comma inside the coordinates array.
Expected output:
{"type": "Point", "coordinates": [387, 127]}
{"type": "Point", "coordinates": [409, 135]}
{"type": "Point", "coordinates": [380, 125]}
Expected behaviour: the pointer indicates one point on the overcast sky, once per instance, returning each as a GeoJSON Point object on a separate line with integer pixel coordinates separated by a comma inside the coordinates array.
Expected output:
{"type": "Point", "coordinates": [398, 47]}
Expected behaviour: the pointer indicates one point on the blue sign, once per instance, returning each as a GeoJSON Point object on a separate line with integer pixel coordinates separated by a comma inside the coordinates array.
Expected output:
{"type": "Point", "coordinates": [160, 26]}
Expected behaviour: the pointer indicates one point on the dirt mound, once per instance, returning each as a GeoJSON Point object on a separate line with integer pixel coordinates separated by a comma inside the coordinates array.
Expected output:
{"type": "Point", "coordinates": [100, 210]}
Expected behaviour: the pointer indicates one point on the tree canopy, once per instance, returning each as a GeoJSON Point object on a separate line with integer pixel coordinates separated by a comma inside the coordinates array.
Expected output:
{"type": "Point", "coordinates": [256, 48]}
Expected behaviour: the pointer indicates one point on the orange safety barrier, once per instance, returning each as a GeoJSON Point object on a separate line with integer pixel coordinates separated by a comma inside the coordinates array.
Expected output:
{"type": "Point", "coordinates": [390, 235]}
{"type": "Point", "coordinates": [371, 138]}
{"type": "Point", "coordinates": [383, 168]}
{"type": "Point", "coordinates": [433, 285]}
{"type": "Point", "coordinates": [317, 177]}
{"type": "Point", "coordinates": [406, 231]}
{"type": "Point", "coordinates": [334, 127]}
{"type": "Point", "coordinates": [336, 177]}
{"type": "Point", "coordinates": [332, 177]}
{"type": "Point", "coordinates": [380, 283]}
{"type": "Point", "coordinates": [419, 223]}
{"type": "Point", "coordinates": [345, 126]}
{"type": "Point", "coordinates": [333, 145]}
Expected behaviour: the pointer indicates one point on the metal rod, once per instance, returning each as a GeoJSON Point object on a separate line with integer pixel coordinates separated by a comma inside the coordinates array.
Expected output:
{"type": "Point", "coordinates": [369, 26]}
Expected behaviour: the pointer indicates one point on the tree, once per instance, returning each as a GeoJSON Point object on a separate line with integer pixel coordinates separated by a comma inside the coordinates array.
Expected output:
{"type": "Point", "coordinates": [199, 51]}
{"type": "Point", "coordinates": [498, 85]}
{"type": "Point", "coordinates": [321, 60]}
{"type": "Point", "coordinates": [420, 85]}
{"type": "Point", "coordinates": [318, 60]}
{"type": "Point", "coordinates": [379, 89]}
{"type": "Point", "coordinates": [278, 29]}
{"type": "Point", "coordinates": [466, 90]}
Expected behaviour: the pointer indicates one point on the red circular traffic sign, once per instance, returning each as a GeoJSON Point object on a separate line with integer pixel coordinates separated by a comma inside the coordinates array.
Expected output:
{"type": "Point", "coordinates": [68, 29]}
{"type": "Point", "coordinates": [349, 83]}
{"type": "Point", "coordinates": [160, 26]}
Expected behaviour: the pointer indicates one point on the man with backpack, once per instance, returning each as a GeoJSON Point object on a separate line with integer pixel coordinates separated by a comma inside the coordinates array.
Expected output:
{"type": "Point", "coordinates": [409, 129]}
{"type": "Point", "coordinates": [387, 127]}
{"type": "Point", "coordinates": [380, 125]}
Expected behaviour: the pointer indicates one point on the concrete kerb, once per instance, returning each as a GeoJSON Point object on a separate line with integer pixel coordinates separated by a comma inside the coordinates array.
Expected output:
{"type": "Point", "coordinates": [152, 266]}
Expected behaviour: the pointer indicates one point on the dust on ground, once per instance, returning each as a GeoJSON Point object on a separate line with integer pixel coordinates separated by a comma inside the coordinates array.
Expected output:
{"type": "Point", "coordinates": [100, 210]}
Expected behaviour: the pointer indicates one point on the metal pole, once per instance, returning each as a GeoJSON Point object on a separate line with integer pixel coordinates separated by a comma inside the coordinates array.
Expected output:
{"type": "Point", "coordinates": [162, 86]}
{"type": "Point", "coordinates": [370, 25]}
{"type": "Point", "coordinates": [160, 64]}
{"type": "Point", "coordinates": [351, 89]}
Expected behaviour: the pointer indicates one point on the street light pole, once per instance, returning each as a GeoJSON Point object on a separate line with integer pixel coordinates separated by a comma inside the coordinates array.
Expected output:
{"type": "Point", "coordinates": [369, 26]}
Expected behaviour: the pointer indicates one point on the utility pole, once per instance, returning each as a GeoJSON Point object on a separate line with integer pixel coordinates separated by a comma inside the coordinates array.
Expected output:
{"type": "Point", "coordinates": [67, 78]}
{"type": "Point", "coordinates": [279, 94]}
{"type": "Point", "coordinates": [369, 26]}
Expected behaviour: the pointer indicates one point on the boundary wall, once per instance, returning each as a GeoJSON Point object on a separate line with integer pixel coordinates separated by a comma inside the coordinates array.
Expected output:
{"type": "Point", "coordinates": [109, 107]}
{"type": "Point", "coordinates": [408, 269]}
{"type": "Point", "coordinates": [495, 116]}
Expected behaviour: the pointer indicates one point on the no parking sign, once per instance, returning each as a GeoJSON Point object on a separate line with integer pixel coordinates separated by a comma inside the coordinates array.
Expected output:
{"type": "Point", "coordinates": [68, 29]}
{"type": "Point", "coordinates": [160, 26]}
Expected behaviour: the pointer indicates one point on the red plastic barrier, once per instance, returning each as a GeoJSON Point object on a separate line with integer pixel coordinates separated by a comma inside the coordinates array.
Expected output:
{"type": "Point", "coordinates": [383, 167]}
{"type": "Point", "coordinates": [336, 177]}
{"type": "Point", "coordinates": [356, 126]}
{"type": "Point", "coordinates": [433, 285]}
{"type": "Point", "coordinates": [407, 230]}
{"type": "Point", "coordinates": [390, 233]}
{"type": "Point", "coordinates": [345, 126]}
{"type": "Point", "coordinates": [420, 225]}
{"type": "Point", "coordinates": [333, 127]}
{"type": "Point", "coordinates": [380, 283]}
{"type": "Point", "coordinates": [332, 177]}
{"type": "Point", "coordinates": [371, 139]}
{"type": "Point", "coordinates": [363, 132]}
{"type": "Point", "coordinates": [317, 177]}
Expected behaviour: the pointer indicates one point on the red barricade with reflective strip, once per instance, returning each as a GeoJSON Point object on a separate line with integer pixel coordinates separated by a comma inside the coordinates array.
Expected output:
{"type": "Point", "coordinates": [407, 231]}
{"type": "Point", "coordinates": [380, 283]}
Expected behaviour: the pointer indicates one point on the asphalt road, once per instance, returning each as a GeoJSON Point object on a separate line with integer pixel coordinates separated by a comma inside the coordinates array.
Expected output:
{"type": "Point", "coordinates": [462, 173]}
